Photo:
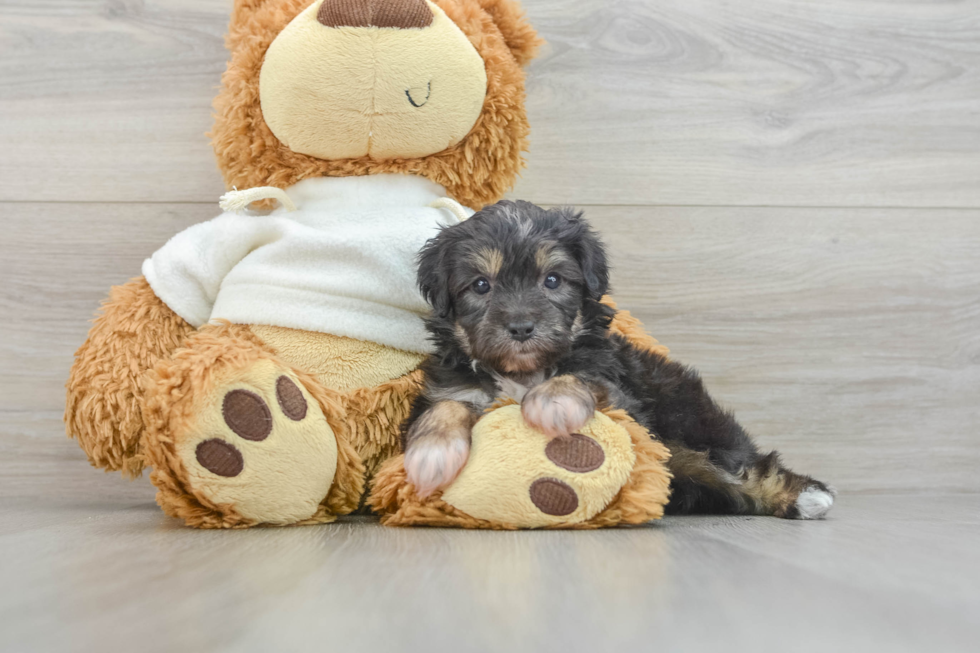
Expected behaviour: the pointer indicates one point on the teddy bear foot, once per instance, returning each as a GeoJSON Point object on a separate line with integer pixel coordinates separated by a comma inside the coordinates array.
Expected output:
{"type": "Point", "coordinates": [610, 472]}
{"type": "Point", "coordinates": [237, 439]}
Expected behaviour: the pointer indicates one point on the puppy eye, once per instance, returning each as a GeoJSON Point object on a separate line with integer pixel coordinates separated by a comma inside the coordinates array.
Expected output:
{"type": "Point", "coordinates": [552, 281]}
{"type": "Point", "coordinates": [481, 286]}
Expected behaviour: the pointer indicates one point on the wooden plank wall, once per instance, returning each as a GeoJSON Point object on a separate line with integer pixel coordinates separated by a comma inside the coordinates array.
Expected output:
{"type": "Point", "coordinates": [790, 190]}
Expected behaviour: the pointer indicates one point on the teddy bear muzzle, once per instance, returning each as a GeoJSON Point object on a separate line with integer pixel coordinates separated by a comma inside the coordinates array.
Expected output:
{"type": "Point", "coordinates": [376, 79]}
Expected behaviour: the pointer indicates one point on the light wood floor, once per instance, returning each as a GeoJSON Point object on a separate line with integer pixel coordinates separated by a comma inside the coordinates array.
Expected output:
{"type": "Point", "coordinates": [790, 190]}
{"type": "Point", "coordinates": [90, 564]}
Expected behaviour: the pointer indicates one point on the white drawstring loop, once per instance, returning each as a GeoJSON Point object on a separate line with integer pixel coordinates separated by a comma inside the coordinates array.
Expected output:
{"type": "Point", "coordinates": [452, 206]}
{"type": "Point", "coordinates": [237, 201]}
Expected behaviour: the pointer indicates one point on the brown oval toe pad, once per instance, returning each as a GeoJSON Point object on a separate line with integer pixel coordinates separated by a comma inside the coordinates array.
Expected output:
{"type": "Point", "coordinates": [247, 415]}
{"type": "Point", "coordinates": [553, 497]}
{"type": "Point", "coordinates": [290, 399]}
{"type": "Point", "coordinates": [221, 458]}
{"type": "Point", "coordinates": [576, 453]}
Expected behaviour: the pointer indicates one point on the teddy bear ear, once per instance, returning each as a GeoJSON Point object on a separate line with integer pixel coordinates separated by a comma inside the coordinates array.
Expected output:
{"type": "Point", "coordinates": [242, 9]}
{"type": "Point", "coordinates": [240, 25]}
{"type": "Point", "coordinates": [520, 37]}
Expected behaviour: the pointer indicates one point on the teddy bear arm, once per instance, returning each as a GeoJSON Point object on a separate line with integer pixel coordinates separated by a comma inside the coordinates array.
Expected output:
{"type": "Point", "coordinates": [104, 391]}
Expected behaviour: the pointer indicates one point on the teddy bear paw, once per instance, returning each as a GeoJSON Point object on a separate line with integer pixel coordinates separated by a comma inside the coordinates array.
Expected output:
{"type": "Point", "coordinates": [259, 446]}
{"type": "Point", "coordinates": [518, 475]}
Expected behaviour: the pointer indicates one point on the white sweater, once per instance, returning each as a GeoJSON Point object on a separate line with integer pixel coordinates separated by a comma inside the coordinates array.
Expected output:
{"type": "Point", "coordinates": [343, 263]}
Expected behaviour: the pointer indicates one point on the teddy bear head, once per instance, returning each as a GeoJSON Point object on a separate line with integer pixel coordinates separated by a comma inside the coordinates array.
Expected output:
{"type": "Point", "coordinates": [359, 87]}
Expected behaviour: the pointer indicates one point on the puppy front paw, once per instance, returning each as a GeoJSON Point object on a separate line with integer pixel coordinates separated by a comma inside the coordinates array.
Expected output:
{"type": "Point", "coordinates": [559, 406]}
{"type": "Point", "coordinates": [438, 446]}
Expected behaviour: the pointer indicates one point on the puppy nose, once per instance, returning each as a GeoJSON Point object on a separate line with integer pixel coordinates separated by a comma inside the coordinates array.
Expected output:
{"type": "Point", "coordinates": [401, 14]}
{"type": "Point", "coordinates": [521, 331]}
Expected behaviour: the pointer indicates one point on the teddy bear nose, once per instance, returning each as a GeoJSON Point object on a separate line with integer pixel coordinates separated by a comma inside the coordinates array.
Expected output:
{"type": "Point", "coordinates": [401, 14]}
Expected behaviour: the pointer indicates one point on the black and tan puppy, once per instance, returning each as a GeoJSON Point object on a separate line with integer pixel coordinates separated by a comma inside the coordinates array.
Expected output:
{"type": "Point", "coordinates": [515, 294]}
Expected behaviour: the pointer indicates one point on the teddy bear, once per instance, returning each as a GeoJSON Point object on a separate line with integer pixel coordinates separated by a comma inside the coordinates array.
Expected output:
{"type": "Point", "coordinates": [264, 361]}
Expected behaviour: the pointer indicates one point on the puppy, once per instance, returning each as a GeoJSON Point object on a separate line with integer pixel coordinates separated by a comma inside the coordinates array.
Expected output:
{"type": "Point", "coordinates": [515, 292]}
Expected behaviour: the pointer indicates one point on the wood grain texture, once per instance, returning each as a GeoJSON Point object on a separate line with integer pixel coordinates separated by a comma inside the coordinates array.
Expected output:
{"type": "Point", "coordinates": [761, 102]}
{"type": "Point", "coordinates": [100, 567]}
{"type": "Point", "coordinates": [57, 262]}
{"type": "Point", "coordinates": [109, 99]}
{"type": "Point", "coordinates": [847, 339]}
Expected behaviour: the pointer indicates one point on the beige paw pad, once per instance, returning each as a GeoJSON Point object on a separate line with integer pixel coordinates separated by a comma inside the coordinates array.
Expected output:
{"type": "Point", "coordinates": [517, 475]}
{"type": "Point", "coordinates": [262, 444]}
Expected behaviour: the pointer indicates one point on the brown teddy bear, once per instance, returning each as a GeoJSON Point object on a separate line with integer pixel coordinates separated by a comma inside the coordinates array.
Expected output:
{"type": "Point", "coordinates": [263, 363]}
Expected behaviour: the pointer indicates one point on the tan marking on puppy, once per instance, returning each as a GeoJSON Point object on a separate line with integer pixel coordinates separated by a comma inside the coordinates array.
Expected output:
{"type": "Point", "coordinates": [548, 257]}
{"type": "Point", "coordinates": [777, 490]}
{"type": "Point", "coordinates": [475, 396]}
{"type": "Point", "coordinates": [438, 445]}
{"type": "Point", "coordinates": [521, 362]}
{"type": "Point", "coordinates": [696, 466]}
{"type": "Point", "coordinates": [489, 261]}
{"type": "Point", "coordinates": [559, 406]}
{"type": "Point", "coordinates": [463, 339]}
{"type": "Point", "coordinates": [578, 325]}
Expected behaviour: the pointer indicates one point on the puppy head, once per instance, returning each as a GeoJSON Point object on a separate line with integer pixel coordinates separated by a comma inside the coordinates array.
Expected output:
{"type": "Point", "coordinates": [513, 285]}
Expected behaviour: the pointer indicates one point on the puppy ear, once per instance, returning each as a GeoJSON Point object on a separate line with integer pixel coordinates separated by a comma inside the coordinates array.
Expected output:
{"type": "Point", "coordinates": [520, 37]}
{"type": "Point", "coordinates": [590, 254]}
{"type": "Point", "coordinates": [433, 276]}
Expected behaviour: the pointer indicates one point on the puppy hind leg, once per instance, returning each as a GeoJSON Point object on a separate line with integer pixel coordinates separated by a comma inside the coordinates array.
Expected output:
{"type": "Point", "coordinates": [699, 486]}
{"type": "Point", "coordinates": [781, 492]}
{"type": "Point", "coordinates": [764, 487]}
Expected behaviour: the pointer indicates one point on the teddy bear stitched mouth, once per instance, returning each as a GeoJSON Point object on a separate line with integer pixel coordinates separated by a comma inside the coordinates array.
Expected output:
{"type": "Point", "coordinates": [428, 94]}
{"type": "Point", "coordinates": [411, 100]}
